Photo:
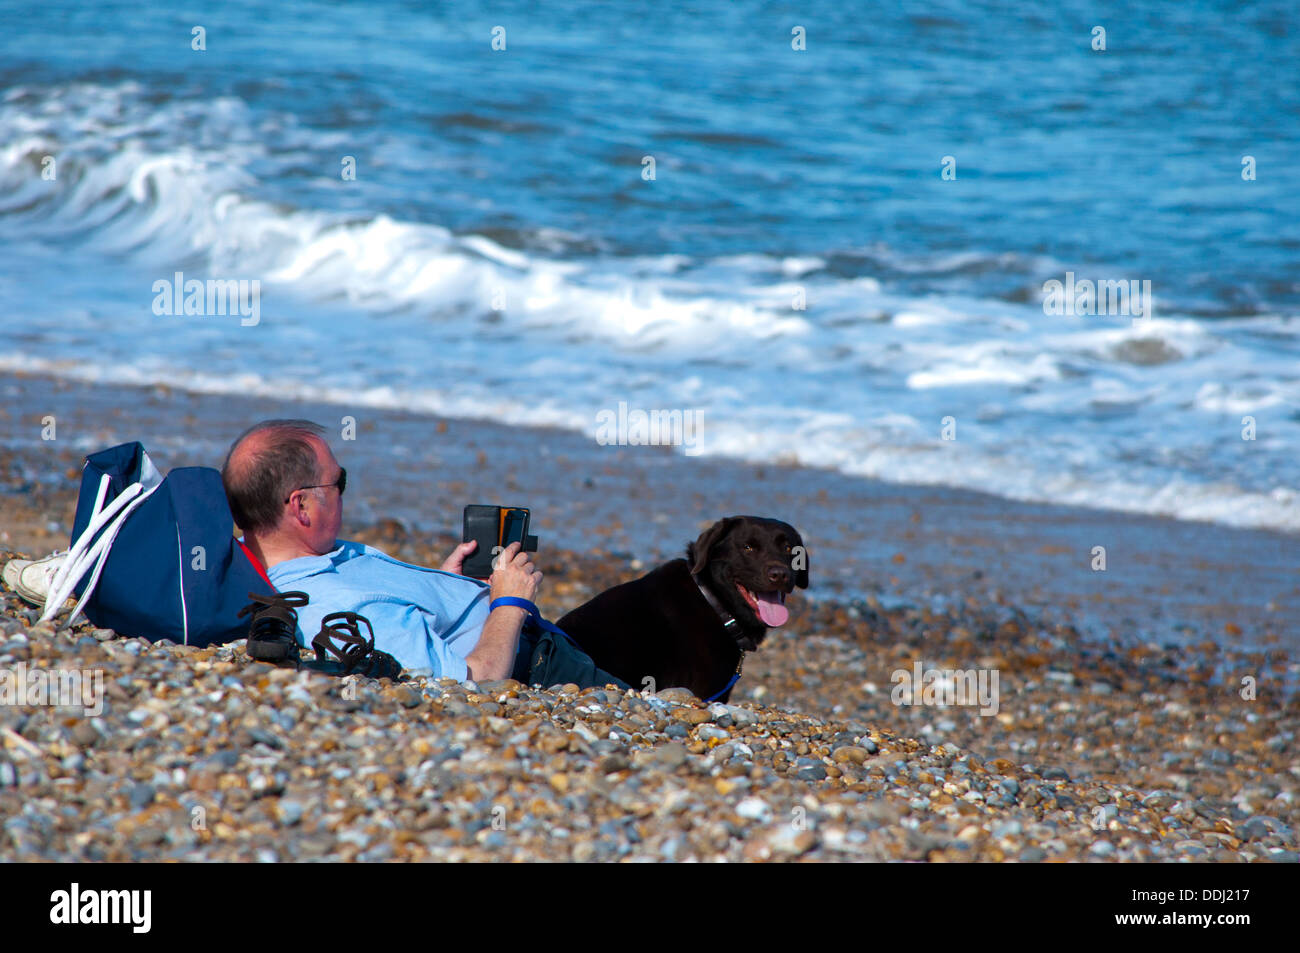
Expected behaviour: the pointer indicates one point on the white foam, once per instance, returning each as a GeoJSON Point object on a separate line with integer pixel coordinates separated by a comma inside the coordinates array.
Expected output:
{"type": "Point", "coordinates": [1141, 417]}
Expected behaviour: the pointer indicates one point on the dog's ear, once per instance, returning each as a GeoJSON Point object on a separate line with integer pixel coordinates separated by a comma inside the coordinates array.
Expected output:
{"type": "Point", "coordinates": [697, 553]}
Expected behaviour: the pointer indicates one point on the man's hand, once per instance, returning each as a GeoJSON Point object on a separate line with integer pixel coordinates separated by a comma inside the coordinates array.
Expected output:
{"type": "Point", "coordinates": [456, 561]}
{"type": "Point", "coordinates": [515, 575]}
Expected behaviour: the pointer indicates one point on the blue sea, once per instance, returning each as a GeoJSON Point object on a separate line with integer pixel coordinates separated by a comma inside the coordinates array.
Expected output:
{"type": "Point", "coordinates": [840, 245]}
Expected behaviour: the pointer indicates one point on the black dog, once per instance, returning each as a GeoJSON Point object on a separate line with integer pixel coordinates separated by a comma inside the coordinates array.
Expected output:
{"type": "Point", "coordinates": [689, 622]}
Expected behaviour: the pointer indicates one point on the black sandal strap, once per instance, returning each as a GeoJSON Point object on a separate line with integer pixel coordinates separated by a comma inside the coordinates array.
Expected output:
{"type": "Point", "coordinates": [345, 627]}
{"type": "Point", "coordinates": [289, 601]}
{"type": "Point", "coordinates": [357, 653]}
{"type": "Point", "coordinates": [272, 634]}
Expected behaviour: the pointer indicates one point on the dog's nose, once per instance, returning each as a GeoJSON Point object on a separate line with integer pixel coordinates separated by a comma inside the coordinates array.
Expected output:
{"type": "Point", "coordinates": [779, 575]}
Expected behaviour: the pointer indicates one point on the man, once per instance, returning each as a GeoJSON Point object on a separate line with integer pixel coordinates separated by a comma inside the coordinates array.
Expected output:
{"type": "Point", "coordinates": [286, 493]}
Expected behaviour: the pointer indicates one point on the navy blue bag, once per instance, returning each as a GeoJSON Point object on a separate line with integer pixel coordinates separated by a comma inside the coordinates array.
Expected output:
{"type": "Point", "coordinates": [161, 560]}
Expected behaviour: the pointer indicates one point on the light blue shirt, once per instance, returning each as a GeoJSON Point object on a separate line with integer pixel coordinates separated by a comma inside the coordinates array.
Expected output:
{"type": "Point", "coordinates": [429, 620]}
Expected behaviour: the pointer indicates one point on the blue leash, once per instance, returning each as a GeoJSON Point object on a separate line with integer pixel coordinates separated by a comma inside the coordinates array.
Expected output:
{"type": "Point", "coordinates": [734, 679]}
{"type": "Point", "coordinates": [536, 615]}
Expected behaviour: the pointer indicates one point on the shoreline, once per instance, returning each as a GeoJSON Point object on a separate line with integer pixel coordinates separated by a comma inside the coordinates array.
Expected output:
{"type": "Point", "coordinates": [1166, 580]}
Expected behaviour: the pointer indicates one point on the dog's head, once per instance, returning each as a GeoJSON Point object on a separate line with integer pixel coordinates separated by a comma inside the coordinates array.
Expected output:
{"type": "Point", "coordinates": [751, 564]}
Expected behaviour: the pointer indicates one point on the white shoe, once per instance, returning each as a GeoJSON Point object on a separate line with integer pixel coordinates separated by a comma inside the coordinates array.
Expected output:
{"type": "Point", "coordinates": [31, 578]}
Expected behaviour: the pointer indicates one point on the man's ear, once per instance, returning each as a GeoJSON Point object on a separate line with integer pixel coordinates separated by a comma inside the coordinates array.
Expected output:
{"type": "Point", "coordinates": [697, 553]}
{"type": "Point", "coordinates": [297, 511]}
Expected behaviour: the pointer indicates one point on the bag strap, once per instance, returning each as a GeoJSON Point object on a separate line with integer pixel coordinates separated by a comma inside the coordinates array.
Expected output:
{"type": "Point", "coordinates": [256, 563]}
{"type": "Point", "coordinates": [99, 515]}
{"type": "Point", "coordinates": [83, 553]}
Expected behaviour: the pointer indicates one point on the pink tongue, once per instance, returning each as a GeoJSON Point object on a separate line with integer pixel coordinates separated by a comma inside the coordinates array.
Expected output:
{"type": "Point", "coordinates": [770, 608]}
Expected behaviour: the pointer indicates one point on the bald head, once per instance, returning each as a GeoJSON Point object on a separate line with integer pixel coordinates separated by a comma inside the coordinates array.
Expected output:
{"type": "Point", "coordinates": [266, 463]}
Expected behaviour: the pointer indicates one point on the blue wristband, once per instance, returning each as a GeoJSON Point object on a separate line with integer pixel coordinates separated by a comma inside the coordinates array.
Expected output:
{"type": "Point", "coordinates": [530, 607]}
{"type": "Point", "coordinates": [534, 613]}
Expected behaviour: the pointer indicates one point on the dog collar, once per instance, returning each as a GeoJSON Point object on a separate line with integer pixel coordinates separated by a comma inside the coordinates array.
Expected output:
{"type": "Point", "coordinates": [731, 625]}
{"type": "Point", "coordinates": [728, 620]}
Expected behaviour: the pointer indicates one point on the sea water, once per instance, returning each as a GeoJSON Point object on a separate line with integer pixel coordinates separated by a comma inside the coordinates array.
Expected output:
{"type": "Point", "coordinates": [830, 231]}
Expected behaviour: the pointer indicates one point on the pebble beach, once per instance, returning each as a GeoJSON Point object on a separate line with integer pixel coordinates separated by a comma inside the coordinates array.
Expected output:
{"type": "Point", "coordinates": [1003, 320]}
{"type": "Point", "coordinates": [1095, 754]}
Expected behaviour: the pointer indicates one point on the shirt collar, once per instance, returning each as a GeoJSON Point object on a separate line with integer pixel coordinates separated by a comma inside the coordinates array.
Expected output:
{"type": "Point", "coordinates": [292, 570]}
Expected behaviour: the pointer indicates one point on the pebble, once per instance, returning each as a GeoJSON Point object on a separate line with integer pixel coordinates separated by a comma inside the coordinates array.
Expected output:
{"type": "Point", "coordinates": [806, 769]}
{"type": "Point", "coordinates": [679, 695]}
{"type": "Point", "coordinates": [668, 757]}
{"type": "Point", "coordinates": [289, 812]}
{"type": "Point", "coordinates": [849, 754]}
{"type": "Point", "coordinates": [789, 842]}
{"type": "Point", "coordinates": [1007, 829]}
{"type": "Point", "coordinates": [204, 755]}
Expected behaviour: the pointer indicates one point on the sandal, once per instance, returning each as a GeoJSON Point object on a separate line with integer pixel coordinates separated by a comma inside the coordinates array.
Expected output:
{"type": "Point", "coordinates": [356, 656]}
{"type": "Point", "coordinates": [272, 635]}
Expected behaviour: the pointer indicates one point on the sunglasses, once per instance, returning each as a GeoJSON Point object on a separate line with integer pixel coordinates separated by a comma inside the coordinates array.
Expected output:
{"type": "Point", "coordinates": [341, 483]}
